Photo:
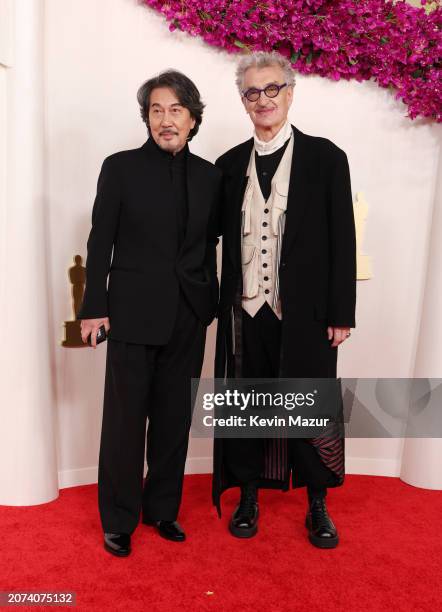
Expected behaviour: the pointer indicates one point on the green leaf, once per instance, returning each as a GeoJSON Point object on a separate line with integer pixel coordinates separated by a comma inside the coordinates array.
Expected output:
{"type": "Point", "coordinates": [240, 44]}
{"type": "Point", "coordinates": [250, 11]}
{"type": "Point", "coordinates": [309, 58]}
{"type": "Point", "coordinates": [295, 56]}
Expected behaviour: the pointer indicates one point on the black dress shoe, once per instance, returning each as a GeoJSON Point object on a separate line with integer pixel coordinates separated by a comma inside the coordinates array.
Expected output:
{"type": "Point", "coordinates": [170, 530]}
{"type": "Point", "coordinates": [244, 521]}
{"type": "Point", "coordinates": [322, 531]}
{"type": "Point", "coordinates": [117, 544]}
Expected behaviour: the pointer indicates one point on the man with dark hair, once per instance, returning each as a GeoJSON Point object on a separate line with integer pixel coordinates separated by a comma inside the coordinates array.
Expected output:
{"type": "Point", "coordinates": [156, 209]}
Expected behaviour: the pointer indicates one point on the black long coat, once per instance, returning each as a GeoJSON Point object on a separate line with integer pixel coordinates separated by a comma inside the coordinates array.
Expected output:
{"type": "Point", "coordinates": [317, 277]}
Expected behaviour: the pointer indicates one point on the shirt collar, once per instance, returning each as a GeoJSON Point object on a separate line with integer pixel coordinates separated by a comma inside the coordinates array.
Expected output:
{"type": "Point", "coordinates": [180, 156]}
{"type": "Point", "coordinates": [266, 148]}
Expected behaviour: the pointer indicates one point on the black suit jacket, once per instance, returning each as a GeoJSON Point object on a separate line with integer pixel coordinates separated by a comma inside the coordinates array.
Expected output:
{"type": "Point", "coordinates": [134, 217]}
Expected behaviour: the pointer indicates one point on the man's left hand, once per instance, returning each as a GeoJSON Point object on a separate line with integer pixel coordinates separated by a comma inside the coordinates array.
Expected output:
{"type": "Point", "coordinates": [338, 335]}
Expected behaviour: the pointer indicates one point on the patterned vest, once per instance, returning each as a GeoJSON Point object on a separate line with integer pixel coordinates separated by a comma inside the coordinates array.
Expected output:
{"type": "Point", "coordinates": [262, 229]}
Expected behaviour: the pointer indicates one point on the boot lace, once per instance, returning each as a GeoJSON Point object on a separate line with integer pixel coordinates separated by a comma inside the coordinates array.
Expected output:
{"type": "Point", "coordinates": [319, 513]}
{"type": "Point", "coordinates": [247, 502]}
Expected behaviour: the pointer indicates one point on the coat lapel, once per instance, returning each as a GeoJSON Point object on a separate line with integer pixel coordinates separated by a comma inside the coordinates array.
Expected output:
{"type": "Point", "coordinates": [299, 195]}
{"type": "Point", "coordinates": [235, 186]}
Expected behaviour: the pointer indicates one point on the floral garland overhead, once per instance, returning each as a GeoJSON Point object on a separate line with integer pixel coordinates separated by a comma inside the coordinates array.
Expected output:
{"type": "Point", "coordinates": [396, 44]}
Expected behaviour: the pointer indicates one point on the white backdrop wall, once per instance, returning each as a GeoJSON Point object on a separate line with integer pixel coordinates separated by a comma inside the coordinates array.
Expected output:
{"type": "Point", "coordinates": [28, 460]}
{"type": "Point", "coordinates": [96, 57]}
{"type": "Point", "coordinates": [97, 53]}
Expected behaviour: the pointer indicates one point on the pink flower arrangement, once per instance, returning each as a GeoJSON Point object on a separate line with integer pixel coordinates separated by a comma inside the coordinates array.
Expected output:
{"type": "Point", "coordinates": [396, 44]}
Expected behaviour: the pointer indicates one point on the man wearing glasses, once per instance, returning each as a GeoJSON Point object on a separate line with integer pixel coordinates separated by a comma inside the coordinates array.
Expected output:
{"type": "Point", "coordinates": [288, 289]}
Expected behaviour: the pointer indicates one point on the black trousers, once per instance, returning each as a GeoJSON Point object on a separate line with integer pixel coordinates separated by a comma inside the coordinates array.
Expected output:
{"type": "Point", "coordinates": [244, 457]}
{"type": "Point", "coordinates": [145, 381]}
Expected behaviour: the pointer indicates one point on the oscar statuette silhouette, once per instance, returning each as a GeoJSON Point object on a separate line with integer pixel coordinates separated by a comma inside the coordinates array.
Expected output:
{"type": "Point", "coordinates": [72, 330]}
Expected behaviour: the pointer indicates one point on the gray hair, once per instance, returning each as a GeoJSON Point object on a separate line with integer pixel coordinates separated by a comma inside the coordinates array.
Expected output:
{"type": "Point", "coordinates": [262, 59]}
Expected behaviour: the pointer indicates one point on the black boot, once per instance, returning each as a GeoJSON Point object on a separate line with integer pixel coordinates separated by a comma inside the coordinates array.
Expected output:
{"type": "Point", "coordinates": [244, 521]}
{"type": "Point", "coordinates": [322, 531]}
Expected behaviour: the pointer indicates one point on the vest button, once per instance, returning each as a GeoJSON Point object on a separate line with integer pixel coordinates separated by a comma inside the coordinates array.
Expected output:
{"type": "Point", "coordinates": [265, 224]}
{"type": "Point", "coordinates": [266, 278]}
{"type": "Point", "coordinates": [264, 237]}
{"type": "Point", "coordinates": [263, 251]}
{"type": "Point", "coordinates": [266, 210]}
{"type": "Point", "coordinates": [267, 291]}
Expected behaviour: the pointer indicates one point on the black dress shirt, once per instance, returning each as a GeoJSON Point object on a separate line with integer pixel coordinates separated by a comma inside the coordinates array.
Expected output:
{"type": "Point", "coordinates": [177, 172]}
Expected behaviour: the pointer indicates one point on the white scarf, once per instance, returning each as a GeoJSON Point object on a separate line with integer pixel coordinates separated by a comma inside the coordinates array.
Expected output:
{"type": "Point", "coordinates": [266, 148]}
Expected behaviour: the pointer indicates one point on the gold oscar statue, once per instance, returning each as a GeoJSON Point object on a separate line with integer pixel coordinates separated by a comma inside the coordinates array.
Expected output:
{"type": "Point", "coordinates": [363, 262]}
{"type": "Point", "coordinates": [77, 278]}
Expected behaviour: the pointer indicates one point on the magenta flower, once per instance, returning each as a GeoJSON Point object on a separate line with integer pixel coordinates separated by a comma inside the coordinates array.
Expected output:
{"type": "Point", "coordinates": [392, 42]}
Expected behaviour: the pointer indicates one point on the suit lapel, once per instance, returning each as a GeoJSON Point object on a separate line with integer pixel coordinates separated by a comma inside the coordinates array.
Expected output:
{"type": "Point", "coordinates": [299, 195]}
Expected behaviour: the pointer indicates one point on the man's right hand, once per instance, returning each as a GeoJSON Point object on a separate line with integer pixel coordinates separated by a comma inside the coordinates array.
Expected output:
{"type": "Point", "coordinates": [91, 327]}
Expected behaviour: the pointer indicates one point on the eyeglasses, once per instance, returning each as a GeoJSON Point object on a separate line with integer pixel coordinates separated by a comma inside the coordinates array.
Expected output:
{"type": "Point", "coordinates": [271, 91]}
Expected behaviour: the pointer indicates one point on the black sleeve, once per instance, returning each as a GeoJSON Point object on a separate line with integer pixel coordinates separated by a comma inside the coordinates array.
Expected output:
{"type": "Point", "coordinates": [213, 231]}
{"type": "Point", "coordinates": [222, 201]}
{"type": "Point", "coordinates": [105, 216]}
{"type": "Point", "coordinates": [342, 288]}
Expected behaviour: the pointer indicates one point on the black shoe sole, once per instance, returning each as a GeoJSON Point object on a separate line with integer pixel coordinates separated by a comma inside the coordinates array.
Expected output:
{"type": "Point", "coordinates": [323, 542]}
{"type": "Point", "coordinates": [116, 553]}
{"type": "Point", "coordinates": [165, 537]}
{"type": "Point", "coordinates": [239, 532]}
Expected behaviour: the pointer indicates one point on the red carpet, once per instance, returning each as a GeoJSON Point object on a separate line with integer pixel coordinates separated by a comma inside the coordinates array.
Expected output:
{"type": "Point", "coordinates": [389, 557]}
